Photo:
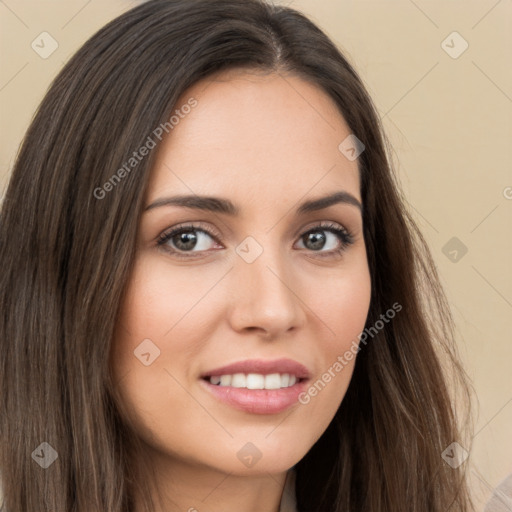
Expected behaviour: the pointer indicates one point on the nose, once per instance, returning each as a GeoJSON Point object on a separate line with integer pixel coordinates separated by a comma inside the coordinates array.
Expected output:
{"type": "Point", "coordinates": [266, 297]}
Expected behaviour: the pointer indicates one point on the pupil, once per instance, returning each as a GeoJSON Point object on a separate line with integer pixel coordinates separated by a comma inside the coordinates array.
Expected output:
{"type": "Point", "coordinates": [317, 238]}
{"type": "Point", "coordinates": [186, 240]}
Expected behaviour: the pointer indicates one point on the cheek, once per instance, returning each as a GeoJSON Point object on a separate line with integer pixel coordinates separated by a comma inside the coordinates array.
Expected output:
{"type": "Point", "coordinates": [160, 297]}
{"type": "Point", "coordinates": [166, 314]}
{"type": "Point", "coordinates": [341, 303]}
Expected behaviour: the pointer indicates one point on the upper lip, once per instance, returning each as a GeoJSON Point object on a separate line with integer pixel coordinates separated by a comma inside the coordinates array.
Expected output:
{"type": "Point", "coordinates": [261, 366]}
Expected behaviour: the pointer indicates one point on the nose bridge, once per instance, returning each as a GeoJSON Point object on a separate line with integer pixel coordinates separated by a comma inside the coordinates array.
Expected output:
{"type": "Point", "coordinates": [263, 294]}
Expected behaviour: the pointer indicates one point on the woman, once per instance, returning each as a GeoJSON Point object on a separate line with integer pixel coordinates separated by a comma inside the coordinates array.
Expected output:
{"type": "Point", "coordinates": [213, 296]}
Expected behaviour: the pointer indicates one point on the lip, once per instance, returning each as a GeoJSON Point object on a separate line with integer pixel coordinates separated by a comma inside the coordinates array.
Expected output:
{"type": "Point", "coordinates": [259, 401]}
{"type": "Point", "coordinates": [262, 367]}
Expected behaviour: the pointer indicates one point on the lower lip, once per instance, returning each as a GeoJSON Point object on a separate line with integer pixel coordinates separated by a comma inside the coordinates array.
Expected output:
{"type": "Point", "coordinates": [257, 401]}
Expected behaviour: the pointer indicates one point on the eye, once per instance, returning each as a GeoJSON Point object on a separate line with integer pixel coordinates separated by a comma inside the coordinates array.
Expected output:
{"type": "Point", "coordinates": [189, 238]}
{"type": "Point", "coordinates": [326, 238]}
{"type": "Point", "coordinates": [187, 241]}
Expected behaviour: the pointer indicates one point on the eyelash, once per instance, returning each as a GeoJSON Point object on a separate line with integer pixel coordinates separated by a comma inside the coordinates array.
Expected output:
{"type": "Point", "coordinates": [345, 237]}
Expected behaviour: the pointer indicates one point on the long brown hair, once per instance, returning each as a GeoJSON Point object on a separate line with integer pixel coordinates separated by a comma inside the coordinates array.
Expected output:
{"type": "Point", "coordinates": [66, 256]}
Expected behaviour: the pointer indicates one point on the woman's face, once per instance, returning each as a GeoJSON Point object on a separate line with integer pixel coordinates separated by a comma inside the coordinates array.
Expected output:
{"type": "Point", "coordinates": [260, 277]}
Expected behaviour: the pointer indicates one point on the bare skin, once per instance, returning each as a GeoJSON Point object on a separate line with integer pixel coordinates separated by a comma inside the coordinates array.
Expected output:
{"type": "Point", "coordinates": [267, 143]}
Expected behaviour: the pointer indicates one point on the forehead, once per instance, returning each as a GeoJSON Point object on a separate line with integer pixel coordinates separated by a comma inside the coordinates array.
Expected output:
{"type": "Point", "coordinates": [257, 135]}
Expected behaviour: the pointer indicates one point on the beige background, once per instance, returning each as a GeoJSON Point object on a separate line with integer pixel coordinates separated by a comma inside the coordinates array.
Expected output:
{"type": "Point", "coordinates": [449, 119]}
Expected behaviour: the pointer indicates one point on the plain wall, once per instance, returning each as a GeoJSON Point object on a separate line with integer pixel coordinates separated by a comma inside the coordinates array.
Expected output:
{"type": "Point", "coordinates": [449, 120]}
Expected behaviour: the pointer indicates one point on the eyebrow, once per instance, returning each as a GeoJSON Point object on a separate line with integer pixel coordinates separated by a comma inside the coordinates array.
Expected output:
{"type": "Point", "coordinates": [220, 205]}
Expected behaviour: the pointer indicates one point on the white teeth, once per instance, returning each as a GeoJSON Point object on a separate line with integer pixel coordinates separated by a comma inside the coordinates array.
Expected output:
{"type": "Point", "coordinates": [255, 380]}
{"type": "Point", "coordinates": [225, 380]}
{"type": "Point", "coordinates": [273, 381]}
{"type": "Point", "coordinates": [239, 381]}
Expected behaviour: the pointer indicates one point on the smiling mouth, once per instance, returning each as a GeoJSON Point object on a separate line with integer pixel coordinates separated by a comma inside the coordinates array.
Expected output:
{"type": "Point", "coordinates": [254, 380]}
{"type": "Point", "coordinates": [256, 393]}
